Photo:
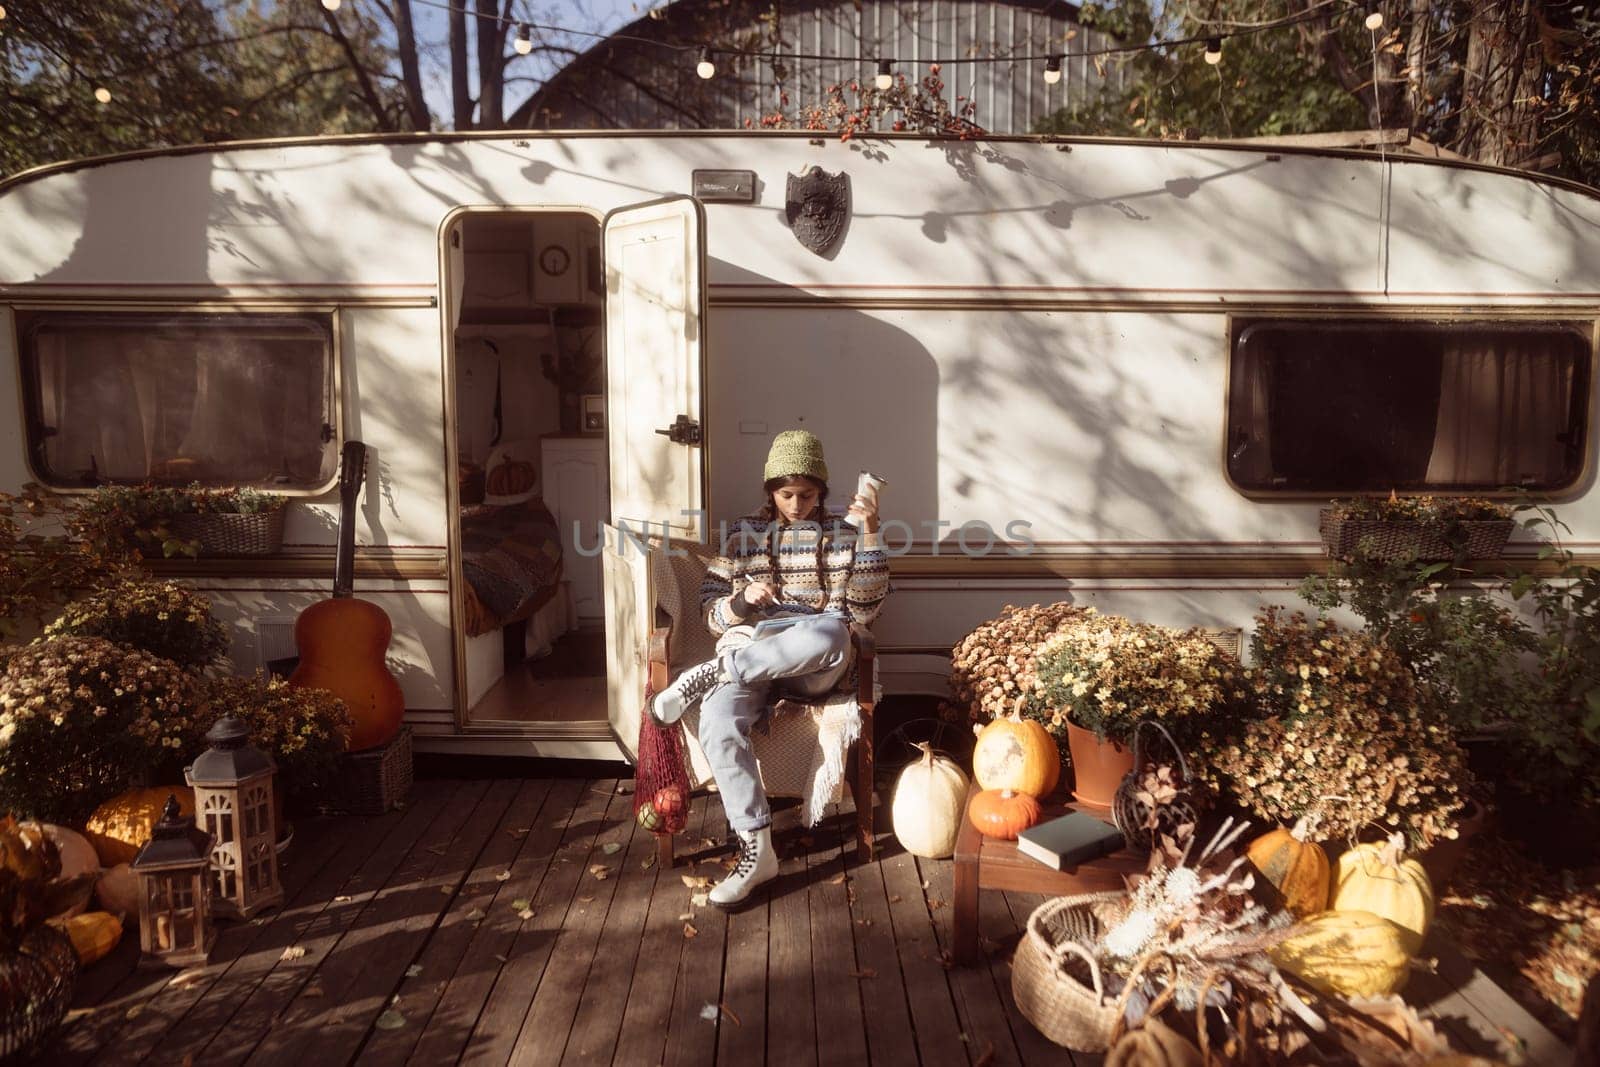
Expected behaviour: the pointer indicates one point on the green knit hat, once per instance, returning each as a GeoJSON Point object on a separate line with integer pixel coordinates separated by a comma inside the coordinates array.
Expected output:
{"type": "Point", "coordinates": [796, 452]}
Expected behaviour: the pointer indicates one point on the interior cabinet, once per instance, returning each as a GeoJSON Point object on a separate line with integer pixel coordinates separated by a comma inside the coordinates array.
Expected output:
{"type": "Point", "coordinates": [577, 491]}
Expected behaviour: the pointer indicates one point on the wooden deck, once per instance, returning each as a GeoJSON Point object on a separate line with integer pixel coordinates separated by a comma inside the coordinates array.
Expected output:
{"type": "Point", "coordinates": [478, 926]}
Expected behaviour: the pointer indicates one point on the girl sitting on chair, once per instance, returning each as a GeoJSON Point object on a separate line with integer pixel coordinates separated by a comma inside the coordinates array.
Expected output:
{"type": "Point", "coordinates": [788, 561]}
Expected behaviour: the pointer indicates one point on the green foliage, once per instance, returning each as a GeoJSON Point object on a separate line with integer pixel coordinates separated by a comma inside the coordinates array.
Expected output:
{"type": "Point", "coordinates": [162, 618]}
{"type": "Point", "coordinates": [81, 718]}
{"type": "Point", "coordinates": [115, 517]}
{"type": "Point", "coordinates": [39, 567]}
{"type": "Point", "coordinates": [1534, 689]}
{"type": "Point", "coordinates": [179, 72]}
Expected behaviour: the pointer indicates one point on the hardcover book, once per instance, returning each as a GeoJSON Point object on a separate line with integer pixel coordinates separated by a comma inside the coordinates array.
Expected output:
{"type": "Point", "coordinates": [1070, 840]}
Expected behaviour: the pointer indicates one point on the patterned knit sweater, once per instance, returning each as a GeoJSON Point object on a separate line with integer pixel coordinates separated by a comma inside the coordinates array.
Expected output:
{"type": "Point", "coordinates": [854, 568]}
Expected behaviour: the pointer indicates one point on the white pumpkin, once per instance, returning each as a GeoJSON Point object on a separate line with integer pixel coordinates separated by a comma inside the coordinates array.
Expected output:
{"type": "Point", "coordinates": [118, 892]}
{"type": "Point", "coordinates": [927, 808]}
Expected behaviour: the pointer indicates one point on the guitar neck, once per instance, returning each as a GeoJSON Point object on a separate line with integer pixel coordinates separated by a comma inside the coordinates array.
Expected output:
{"type": "Point", "coordinates": [352, 469]}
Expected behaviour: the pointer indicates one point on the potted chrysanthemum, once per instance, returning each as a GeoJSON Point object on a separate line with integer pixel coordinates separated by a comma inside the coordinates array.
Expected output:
{"type": "Point", "coordinates": [1095, 680]}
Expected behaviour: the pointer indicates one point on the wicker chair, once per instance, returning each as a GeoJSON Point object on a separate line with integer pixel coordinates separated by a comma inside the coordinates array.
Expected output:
{"type": "Point", "coordinates": [809, 750]}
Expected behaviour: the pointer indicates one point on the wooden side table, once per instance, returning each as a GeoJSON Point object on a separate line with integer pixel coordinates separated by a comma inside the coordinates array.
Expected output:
{"type": "Point", "coordinates": [989, 863]}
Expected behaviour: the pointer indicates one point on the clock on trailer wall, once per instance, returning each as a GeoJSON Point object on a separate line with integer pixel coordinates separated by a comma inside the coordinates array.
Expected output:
{"type": "Point", "coordinates": [564, 247]}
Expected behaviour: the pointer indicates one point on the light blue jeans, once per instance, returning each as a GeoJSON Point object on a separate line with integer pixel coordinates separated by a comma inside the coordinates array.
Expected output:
{"type": "Point", "coordinates": [805, 661]}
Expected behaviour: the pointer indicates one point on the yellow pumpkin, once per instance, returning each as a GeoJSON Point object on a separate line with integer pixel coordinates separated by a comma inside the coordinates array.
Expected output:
{"type": "Point", "coordinates": [928, 797]}
{"type": "Point", "coordinates": [1016, 754]}
{"type": "Point", "coordinates": [1348, 953]}
{"type": "Point", "coordinates": [1296, 867]}
{"type": "Point", "coordinates": [94, 934]}
{"type": "Point", "coordinates": [1378, 878]}
{"type": "Point", "coordinates": [118, 891]}
{"type": "Point", "coordinates": [120, 827]}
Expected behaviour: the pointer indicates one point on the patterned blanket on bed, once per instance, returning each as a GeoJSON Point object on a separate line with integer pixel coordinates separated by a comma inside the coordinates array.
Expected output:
{"type": "Point", "coordinates": [511, 557]}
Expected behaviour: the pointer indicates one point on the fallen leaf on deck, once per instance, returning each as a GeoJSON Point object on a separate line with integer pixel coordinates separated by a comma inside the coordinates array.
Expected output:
{"type": "Point", "coordinates": [525, 914]}
{"type": "Point", "coordinates": [133, 1012]}
{"type": "Point", "coordinates": [865, 972]}
{"type": "Point", "coordinates": [503, 876]}
{"type": "Point", "coordinates": [446, 890]}
{"type": "Point", "coordinates": [924, 885]}
{"type": "Point", "coordinates": [986, 1057]}
{"type": "Point", "coordinates": [519, 832]}
{"type": "Point", "coordinates": [729, 1012]}
{"type": "Point", "coordinates": [863, 922]}
{"type": "Point", "coordinates": [894, 899]}
{"type": "Point", "coordinates": [700, 900]}
{"type": "Point", "coordinates": [312, 989]}
{"type": "Point", "coordinates": [837, 879]}
{"type": "Point", "coordinates": [390, 1020]}
{"type": "Point", "coordinates": [689, 931]}
{"type": "Point", "coordinates": [611, 848]}
{"type": "Point", "coordinates": [474, 915]}
{"type": "Point", "coordinates": [437, 850]}
{"type": "Point", "coordinates": [935, 903]}
{"type": "Point", "coordinates": [709, 842]}
{"type": "Point", "coordinates": [947, 961]}
{"type": "Point", "coordinates": [709, 1013]}
{"type": "Point", "coordinates": [341, 900]}
{"type": "Point", "coordinates": [600, 871]}
{"type": "Point", "coordinates": [414, 970]}
{"type": "Point", "coordinates": [293, 952]}
{"type": "Point", "coordinates": [694, 881]}
{"type": "Point", "coordinates": [686, 916]}
{"type": "Point", "coordinates": [647, 863]}
{"type": "Point", "coordinates": [586, 900]}
{"type": "Point", "coordinates": [501, 958]}
{"type": "Point", "coordinates": [521, 904]}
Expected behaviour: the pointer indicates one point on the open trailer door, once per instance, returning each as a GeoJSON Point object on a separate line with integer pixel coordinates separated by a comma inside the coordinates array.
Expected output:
{"type": "Point", "coordinates": [655, 315]}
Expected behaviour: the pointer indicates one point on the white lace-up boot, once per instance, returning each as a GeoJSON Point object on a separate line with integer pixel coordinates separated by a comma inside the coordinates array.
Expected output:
{"type": "Point", "coordinates": [687, 690]}
{"type": "Point", "coordinates": [758, 863]}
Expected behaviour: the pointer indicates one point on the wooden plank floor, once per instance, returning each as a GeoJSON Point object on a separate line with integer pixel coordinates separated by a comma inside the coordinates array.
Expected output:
{"type": "Point", "coordinates": [526, 921]}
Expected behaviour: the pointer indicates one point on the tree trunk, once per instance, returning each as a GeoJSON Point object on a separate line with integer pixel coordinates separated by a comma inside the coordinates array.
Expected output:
{"type": "Point", "coordinates": [491, 67]}
{"type": "Point", "coordinates": [364, 82]}
{"type": "Point", "coordinates": [410, 72]}
{"type": "Point", "coordinates": [460, 89]}
{"type": "Point", "coordinates": [1417, 62]}
{"type": "Point", "coordinates": [1501, 83]}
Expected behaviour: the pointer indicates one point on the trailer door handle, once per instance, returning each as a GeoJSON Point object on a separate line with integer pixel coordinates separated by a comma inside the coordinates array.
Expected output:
{"type": "Point", "coordinates": [683, 431]}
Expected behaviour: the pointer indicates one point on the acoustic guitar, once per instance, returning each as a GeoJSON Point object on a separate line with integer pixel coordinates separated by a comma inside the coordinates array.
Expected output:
{"type": "Point", "coordinates": [343, 641]}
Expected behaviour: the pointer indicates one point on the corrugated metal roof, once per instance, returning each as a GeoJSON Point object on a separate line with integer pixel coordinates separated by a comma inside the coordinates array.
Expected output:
{"type": "Point", "coordinates": [629, 82]}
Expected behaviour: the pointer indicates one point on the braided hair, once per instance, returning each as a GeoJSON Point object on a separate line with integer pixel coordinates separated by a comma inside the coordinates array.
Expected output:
{"type": "Point", "coordinates": [769, 514]}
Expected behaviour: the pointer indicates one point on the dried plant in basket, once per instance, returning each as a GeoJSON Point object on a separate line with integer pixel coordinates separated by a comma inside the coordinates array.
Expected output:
{"type": "Point", "coordinates": [1156, 799]}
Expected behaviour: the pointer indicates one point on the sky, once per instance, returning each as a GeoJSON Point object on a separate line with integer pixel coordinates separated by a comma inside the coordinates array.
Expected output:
{"type": "Point", "coordinates": [527, 74]}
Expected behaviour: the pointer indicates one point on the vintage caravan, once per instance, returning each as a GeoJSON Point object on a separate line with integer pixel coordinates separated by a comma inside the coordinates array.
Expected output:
{"type": "Point", "coordinates": [1119, 373]}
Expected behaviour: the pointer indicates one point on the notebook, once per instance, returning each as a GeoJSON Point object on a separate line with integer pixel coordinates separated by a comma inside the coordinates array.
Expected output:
{"type": "Point", "coordinates": [1072, 839]}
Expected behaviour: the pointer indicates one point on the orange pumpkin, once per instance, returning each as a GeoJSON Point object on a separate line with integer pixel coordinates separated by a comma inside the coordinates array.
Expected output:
{"type": "Point", "coordinates": [1296, 867]}
{"type": "Point", "coordinates": [120, 827]}
{"type": "Point", "coordinates": [1002, 813]}
{"type": "Point", "coordinates": [511, 477]}
{"type": "Point", "coordinates": [1017, 754]}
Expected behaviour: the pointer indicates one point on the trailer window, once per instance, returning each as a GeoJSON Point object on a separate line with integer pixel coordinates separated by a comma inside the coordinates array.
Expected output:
{"type": "Point", "coordinates": [1342, 407]}
{"type": "Point", "coordinates": [215, 399]}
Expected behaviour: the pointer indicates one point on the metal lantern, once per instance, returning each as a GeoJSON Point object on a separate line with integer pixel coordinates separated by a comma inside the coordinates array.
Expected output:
{"type": "Point", "coordinates": [232, 782]}
{"type": "Point", "coordinates": [175, 891]}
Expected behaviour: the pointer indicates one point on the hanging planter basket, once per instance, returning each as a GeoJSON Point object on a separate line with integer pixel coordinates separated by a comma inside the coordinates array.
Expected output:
{"type": "Point", "coordinates": [220, 533]}
{"type": "Point", "coordinates": [1390, 539]}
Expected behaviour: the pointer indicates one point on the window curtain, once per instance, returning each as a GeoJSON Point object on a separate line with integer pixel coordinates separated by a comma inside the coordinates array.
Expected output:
{"type": "Point", "coordinates": [1501, 404]}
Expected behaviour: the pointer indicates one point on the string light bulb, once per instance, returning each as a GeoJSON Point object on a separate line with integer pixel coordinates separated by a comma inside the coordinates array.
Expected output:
{"type": "Point", "coordinates": [705, 68]}
{"type": "Point", "coordinates": [331, 5]}
{"type": "Point", "coordinates": [1052, 70]}
{"type": "Point", "coordinates": [524, 42]}
{"type": "Point", "coordinates": [1375, 21]}
{"type": "Point", "coordinates": [102, 95]}
{"type": "Point", "coordinates": [1214, 51]}
{"type": "Point", "coordinates": [885, 78]}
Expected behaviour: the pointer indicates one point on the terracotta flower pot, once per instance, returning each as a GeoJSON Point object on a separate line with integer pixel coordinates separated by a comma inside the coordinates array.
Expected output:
{"type": "Point", "coordinates": [1098, 767]}
{"type": "Point", "coordinates": [1442, 859]}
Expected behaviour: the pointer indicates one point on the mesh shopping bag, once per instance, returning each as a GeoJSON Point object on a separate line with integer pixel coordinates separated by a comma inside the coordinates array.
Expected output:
{"type": "Point", "coordinates": [661, 779]}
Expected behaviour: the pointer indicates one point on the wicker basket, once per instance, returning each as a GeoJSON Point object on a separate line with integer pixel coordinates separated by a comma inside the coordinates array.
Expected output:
{"type": "Point", "coordinates": [1398, 539]}
{"type": "Point", "coordinates": [220, 533]}
{"type": "Point", "coordinates": [1071, 1010]}
{"type": "Point", "coordinates": [371, 782]}
{"type": "Point", "coordinates": [36, 986]}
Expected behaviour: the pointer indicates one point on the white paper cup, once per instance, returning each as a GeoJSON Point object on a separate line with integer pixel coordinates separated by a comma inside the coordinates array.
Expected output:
{"type": "Point", "coordinates": [867, 487]}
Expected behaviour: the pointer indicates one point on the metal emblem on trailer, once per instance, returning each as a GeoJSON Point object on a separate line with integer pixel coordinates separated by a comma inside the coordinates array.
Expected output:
{"type": "Point", "coordinates": [818, 207]}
